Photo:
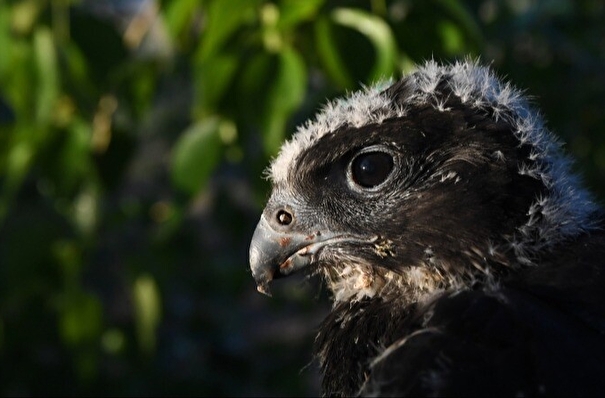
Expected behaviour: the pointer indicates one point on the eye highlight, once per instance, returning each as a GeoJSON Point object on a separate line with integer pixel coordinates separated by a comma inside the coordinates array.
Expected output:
{"type": "Point", "coordinates": [370, 169]}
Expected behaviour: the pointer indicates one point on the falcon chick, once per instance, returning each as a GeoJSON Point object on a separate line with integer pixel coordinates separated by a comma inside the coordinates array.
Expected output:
{"type": "Point", "coordinates": [463, 255]}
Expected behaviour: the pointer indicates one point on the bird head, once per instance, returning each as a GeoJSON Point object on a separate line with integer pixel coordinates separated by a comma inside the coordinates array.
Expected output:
{"type": "Point", "coordinates": [438, 180]}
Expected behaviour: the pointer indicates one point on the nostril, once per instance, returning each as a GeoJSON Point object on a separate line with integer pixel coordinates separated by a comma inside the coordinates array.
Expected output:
{"type": "Point", "coordinates": [284, 217]}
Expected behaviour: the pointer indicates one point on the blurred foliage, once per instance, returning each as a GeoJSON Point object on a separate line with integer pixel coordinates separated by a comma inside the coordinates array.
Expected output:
{"type": "Point", "coordinates": [133, 135]}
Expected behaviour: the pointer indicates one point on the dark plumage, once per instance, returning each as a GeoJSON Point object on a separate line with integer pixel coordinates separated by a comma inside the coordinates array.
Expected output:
{"type": "Point", "coordinates": [464, 257]}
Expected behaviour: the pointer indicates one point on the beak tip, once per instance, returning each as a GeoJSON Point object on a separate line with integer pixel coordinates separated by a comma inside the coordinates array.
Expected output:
{"type": "Point", "coordinates": [264, 289]}
{"type": "Point", "coordinates": [262, 273]}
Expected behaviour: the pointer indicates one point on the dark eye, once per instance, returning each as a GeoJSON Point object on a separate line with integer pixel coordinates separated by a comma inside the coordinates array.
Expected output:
{"type": "Point", "coordinates": [371, 169]}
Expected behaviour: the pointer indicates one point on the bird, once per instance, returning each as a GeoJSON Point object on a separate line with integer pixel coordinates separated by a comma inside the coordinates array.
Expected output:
{"type": "Point", "coordinates": [462, 252]}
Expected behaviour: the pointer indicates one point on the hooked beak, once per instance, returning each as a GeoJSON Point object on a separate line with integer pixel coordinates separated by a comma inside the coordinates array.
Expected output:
{"type": "Point", "coordinates": [275, 254]}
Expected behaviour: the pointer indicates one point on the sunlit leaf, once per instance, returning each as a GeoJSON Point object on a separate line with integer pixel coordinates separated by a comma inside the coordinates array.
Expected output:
{"type": "Point", "coordinates": [196, 154]}
{"type": "Point", "coordinates": [85, 209]}
{"type": "Point", "coordinates": [25, 14]}
{"type": "Point", "coordinates": [47, 74]}
{"type": "Point", "coordinates": [272, 37]}
{"type": "Point", "coordinates": [148, 311]}
{"type": "Point", "coordinates": [178, 14]}
{"type": "Point", "coordinates": [293, 12]}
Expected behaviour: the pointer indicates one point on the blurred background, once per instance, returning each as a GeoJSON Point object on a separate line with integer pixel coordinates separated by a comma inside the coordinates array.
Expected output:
{"type": "Point", "coordinates": [133, 137]}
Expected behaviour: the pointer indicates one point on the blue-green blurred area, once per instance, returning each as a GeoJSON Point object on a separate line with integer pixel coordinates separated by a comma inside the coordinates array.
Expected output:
{"type": "Point", "coordinates": [133, 138]}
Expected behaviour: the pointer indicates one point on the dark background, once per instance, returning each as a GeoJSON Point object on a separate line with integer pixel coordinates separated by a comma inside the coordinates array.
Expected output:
{"type": "Point", "coordinates": [133, 137]}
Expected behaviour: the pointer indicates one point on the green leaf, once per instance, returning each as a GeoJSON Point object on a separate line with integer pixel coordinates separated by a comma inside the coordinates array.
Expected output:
{"type": "Point", "coordinates": [25, 14]}
{"type": "Point", "coordinates": [257, 75]}
{"type": "Point", "coordinates": [327, 49]}
{"type": "Point", "coordinates": [196, 154]}
{"type": "Point", "coordinates": [223, 18]}
{"type": "Point", "coordinates": [101, 45]}
{"type": "Point", "coordinates": [18, 162]}
{"type": "Point", "coordinates": [375, 29]}
{"type": "Point", "coordinates": [289, 89]}
{"type": "Point", "coordinates": [285, 96]}
{"type": "Point", "coordinates": [81, 318]}
{"type": "Point", "coordinates": [148, 311]}
{"type": "Point", "coordinates": [113, 341]}
{"type": "Point", "coordinates": [47, 74]}
{"type": "Point", "coordinates": [76, 71]}
{"type": "Point", "coordinates": [212, 78]}
{"type": "Point", "coordinates": [293, 12]}
{"type": "Point", "coordinates": [452, 37]}
{"type": "Point", "coordinates": [74, 156]}
{"type": "Point", "coordinates": [178, 14]}
{"type": "Point", "coordinates": [69, 255]}
{"type": "Point", "coordinates": [464, 19]}
{"type": "Point", "coordinates": [380, 35]}
{"type": "Point", "coordinates": [5, 39]}
{"type": "Point", "coordinates": [85, 209]}
{"type": "Point", "coordinates": [253, 86]}
{"type": "Point", "coordinates": [16, 79]}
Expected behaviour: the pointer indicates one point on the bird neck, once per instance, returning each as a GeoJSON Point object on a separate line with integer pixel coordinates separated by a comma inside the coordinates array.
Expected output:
{"type": "Point", "coordinates": [352, 333]}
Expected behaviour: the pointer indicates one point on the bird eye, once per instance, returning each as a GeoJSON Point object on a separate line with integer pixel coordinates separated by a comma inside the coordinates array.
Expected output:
{"type": "Point", "coordinates": [370, 169]}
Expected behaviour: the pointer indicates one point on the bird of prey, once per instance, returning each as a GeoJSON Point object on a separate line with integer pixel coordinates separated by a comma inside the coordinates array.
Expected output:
{"type": "Point", "coordinates": [463, 255]}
